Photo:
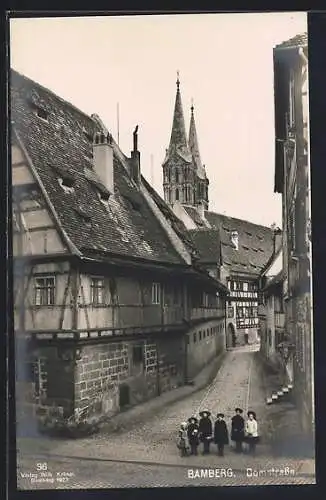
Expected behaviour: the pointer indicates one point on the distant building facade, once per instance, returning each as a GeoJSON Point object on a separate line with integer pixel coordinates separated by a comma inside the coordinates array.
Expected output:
{"type": "Point", "coordinates": [292, 180]}
{"type": "Point", "coordinates": [104, 272]}
{"type": "Point", "coordinates": [244, 247]}
{"type": "Point", "coordinates": [271, 314]}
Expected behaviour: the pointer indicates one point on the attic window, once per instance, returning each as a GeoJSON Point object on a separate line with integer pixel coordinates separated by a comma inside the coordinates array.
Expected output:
{"type": "Point", "coordinates": [249, 234]}
{"type": "Point", "coordinates": [41, 113]}
{"type": "Point", "coordinates": [245, 247]}
{"type": "Point", "coordinates": [66, 185]}
{"type": "Point", "coordinates": [226, 229]}
{"type": "Point", "coordinates": [254, 249]}
{"type": "Point", "coordinates": [104, 198]}
{"type": "Point", "coordinates": [261, 250]}
{"type": "Point", "coordinates": [260, 237]}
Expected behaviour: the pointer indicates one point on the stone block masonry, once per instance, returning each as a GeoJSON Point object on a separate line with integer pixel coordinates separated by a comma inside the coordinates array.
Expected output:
{"type": "Point", "coordinates": [98, 373]}
{"type": "Point", "coordinates": [110, 377]}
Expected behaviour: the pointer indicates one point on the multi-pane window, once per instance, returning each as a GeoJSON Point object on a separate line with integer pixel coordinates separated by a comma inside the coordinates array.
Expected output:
{"type": "Point", "coordinates": [156, 293]}
{"type": "Point", "coordinates": [245, 287]}
{"type": "Point", "coordinates": [97, 291]}
{"type": "Point", "coordinates": [44, 290]}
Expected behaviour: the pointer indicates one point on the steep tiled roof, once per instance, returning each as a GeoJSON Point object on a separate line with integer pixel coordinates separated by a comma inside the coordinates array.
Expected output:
{"type": "Point", "coordinates": [207, 242]}
{"type": "Point", "coordinates": [300, 40]}
{"type": "Point", "coordinates": [63, 143]}
{"type": "Point", "coordinates": [255, 243]}
{"type": "Point", "coordinates": [192, 212]}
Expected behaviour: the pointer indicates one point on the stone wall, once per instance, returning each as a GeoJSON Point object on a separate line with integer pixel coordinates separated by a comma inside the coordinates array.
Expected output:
{"type": "Point", "coordinates": [205, 341]}
{"type": "Point", "coordinates": [113, 376]}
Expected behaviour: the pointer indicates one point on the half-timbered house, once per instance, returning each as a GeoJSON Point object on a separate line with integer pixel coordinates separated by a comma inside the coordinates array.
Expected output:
{"type": "Point", "coordinates": [292, 180]}
{"type": "Point", "coordinates": [103, 270]}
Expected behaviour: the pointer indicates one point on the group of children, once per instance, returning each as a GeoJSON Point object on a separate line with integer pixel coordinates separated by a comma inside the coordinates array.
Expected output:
{"type": "Point", "coordinates": [194, 432]}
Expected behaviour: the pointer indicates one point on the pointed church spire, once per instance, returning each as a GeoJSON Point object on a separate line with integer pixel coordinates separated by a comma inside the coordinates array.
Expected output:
{"type": "Point", "coordinates": [193, 144]}
{"type": "Point", "coordinates": [178, 140]}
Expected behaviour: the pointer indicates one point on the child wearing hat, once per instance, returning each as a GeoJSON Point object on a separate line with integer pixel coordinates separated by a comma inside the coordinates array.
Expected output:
{"type": "Point", "coordinates": [193, 435]}
{"type": "Point", "coordinates": [238, 429]}
{"type": "Point", "coordinates": [205, 430]}
{"type": "Point", "coordinates": [182, 440]}
{"type": "Point", "coordinates": [251, 431]}
{"type": "Point", "coordinates": [221, 436]}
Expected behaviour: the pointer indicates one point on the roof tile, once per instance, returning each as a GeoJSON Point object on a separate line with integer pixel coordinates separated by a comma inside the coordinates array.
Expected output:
{"type": "Point", "coordinates": [63, 142]}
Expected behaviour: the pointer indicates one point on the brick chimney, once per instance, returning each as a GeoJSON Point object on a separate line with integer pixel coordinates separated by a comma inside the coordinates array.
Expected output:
{"type": "Point", "coordinates": [103, 159]}
{"type": "Point", "coordinates": [135, 160]}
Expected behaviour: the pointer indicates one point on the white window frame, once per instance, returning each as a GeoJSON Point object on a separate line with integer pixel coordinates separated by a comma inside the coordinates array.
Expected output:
{"type": "Point", "coordinates": [99, 298]}
{"type": "Point", "coordinates": [44, 291]}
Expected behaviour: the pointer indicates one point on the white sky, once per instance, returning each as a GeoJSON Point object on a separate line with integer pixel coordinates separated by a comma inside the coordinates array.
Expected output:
{"type": "Point", "coordinates": [225, 63]}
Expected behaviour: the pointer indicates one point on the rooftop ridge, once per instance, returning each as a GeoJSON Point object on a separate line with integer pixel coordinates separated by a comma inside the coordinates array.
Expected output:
{"type": "Point", "coordinates": [237, 219]}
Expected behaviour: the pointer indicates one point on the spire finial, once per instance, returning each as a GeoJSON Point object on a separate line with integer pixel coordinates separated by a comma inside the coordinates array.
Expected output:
{"type": "Point", "coordinates": [192, 105]}
{"type": "Point", "coordinates": [178, 81]}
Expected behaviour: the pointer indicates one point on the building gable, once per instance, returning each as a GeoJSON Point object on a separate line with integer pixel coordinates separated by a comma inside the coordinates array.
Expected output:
{"type": "Point", "coordinates": [35, 232]}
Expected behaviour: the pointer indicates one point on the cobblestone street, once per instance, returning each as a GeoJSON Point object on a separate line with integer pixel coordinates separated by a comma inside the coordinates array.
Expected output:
{"type": "Point", "coordinates": [146, 455]}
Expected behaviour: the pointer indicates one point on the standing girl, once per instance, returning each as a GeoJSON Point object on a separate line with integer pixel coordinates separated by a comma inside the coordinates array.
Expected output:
{"type": "Point", "coordinates": [251, 431]}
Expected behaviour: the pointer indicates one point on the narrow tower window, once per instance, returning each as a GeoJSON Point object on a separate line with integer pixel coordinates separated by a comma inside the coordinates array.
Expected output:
{"type": "Point", "coordinates": [177, 194]}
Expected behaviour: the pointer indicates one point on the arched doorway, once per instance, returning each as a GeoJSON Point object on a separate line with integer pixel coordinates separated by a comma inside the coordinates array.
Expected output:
{"type": "Point", "coordinates": [231, 337]}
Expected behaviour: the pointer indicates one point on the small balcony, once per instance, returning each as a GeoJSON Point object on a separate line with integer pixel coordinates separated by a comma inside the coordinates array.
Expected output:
{"type": "Point", "coordinates": [279, 320]}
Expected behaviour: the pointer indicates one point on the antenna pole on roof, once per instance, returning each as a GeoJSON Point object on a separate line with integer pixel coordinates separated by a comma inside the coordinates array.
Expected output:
{"type": "Point", "coordinates": [152, 170]}
{"type": "Point", "coordinates": [118, 125]}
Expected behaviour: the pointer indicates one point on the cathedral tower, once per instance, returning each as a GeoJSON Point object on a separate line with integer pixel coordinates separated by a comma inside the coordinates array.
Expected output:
{"type": "Point", "coordinates": [184, 177]}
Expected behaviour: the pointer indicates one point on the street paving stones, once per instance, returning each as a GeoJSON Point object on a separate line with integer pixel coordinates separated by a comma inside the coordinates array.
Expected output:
{"type": "Point", "coordinates": [146, 456]}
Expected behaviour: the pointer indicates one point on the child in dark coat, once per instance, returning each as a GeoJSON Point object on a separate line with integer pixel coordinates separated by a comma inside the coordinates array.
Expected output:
{"type": "Point", "coordinates": [205, 430]}
{"type": "Point", "coordinates": [221, 436]}
{"type": "Point", "coordinates": [238, 429]}
{"type": "Point", "coordinates": [193, 435]}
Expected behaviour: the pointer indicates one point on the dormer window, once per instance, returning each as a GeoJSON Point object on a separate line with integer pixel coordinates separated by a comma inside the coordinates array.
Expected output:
{"type": "Point", "coordinates": [41, 113]}
{"type": "Point", "coordinates": [66, 185]}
